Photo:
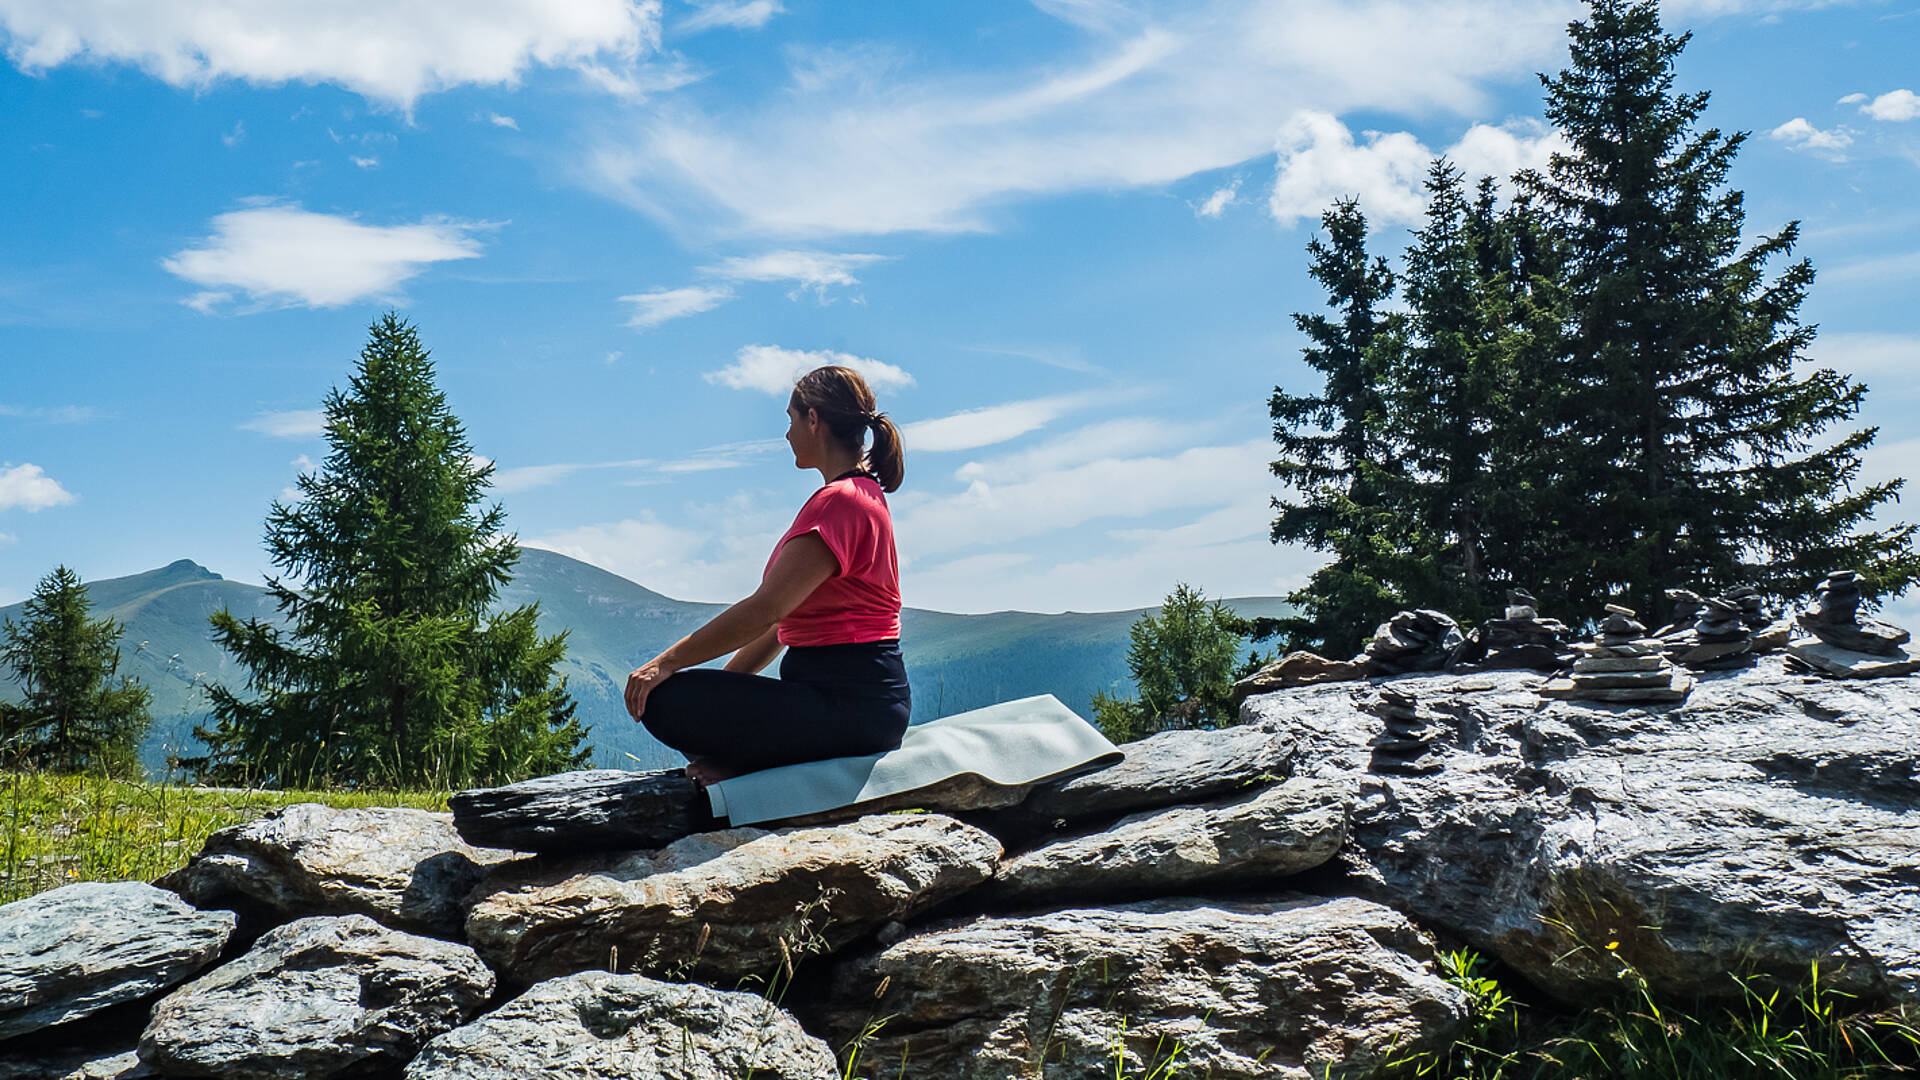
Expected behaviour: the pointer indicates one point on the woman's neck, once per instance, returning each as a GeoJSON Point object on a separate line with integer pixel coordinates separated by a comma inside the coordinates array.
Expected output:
{"type": "Point", "coordinates": [838, 463]}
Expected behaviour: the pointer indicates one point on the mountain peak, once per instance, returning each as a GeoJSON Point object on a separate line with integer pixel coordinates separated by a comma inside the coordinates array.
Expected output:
{"type": "Point", "coordinates": [187, 570]}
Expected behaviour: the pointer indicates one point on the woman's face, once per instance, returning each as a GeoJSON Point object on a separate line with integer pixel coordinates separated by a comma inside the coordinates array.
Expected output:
{"type": "Point", "coordinates": [802, 436]}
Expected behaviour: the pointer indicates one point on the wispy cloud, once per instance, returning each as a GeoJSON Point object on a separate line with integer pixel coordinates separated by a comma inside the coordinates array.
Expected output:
{"type": "Point", "coordinates": [498, 120]}
{"type": "Point", "coordinates": [364, 162]}
{"type": "Point", "coordinates": [771, 369]}
{"type": "Point", "coordinates": [974, 428]}
{"type": "Point", "coordinates": [738, 14]}
{"type": "Point", "coordinates": [291, 424]}
{"type": "Point", "coordinates": [808, 270]}
{"type": "Point", "coordinates": [650, 309]}
{"type": "Point", "coordinates": [1213, 205]}
{"type": "Point", "coordinates": [1799, 134]}
{"type": "Point", "coordinates": [1869, 357]}
{"type": "Point", "coordinates": [28, 487]}
{"type": "Point", "coordinates": [282, 256]}
{"type": "Point", "coordinates": [237, 136]}
{"type": "Point", "coordinates": [56, 414]}
{"type": "Point", "coordinates": [422, 45]}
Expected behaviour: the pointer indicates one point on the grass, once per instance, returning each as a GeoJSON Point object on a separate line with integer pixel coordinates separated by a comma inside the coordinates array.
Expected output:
{"type": "Point", "coordinates": [63, 829]}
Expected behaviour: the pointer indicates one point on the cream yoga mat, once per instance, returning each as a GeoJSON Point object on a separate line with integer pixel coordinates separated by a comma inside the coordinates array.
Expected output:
{"type": "Point", "coordinates": [1013, 743]}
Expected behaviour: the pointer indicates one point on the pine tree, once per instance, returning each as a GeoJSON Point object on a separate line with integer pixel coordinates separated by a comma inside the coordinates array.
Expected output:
{"type": "Point", "coordinates": [1336, 449]}
{"type": "Point", "coordinates": [1183, 659]}
{"type": "Point", "coordinates": [1696, 440]}
{"type": "Point", "coordinates": [78, 714]}
{"type": "Point", "coordinates": [393, 670]}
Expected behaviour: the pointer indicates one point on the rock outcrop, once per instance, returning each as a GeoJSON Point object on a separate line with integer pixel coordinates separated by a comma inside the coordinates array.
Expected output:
{"type": "Point", "coordinates": [405, 868]}
{"type": "Point", "coordinates": [317, 998]}
{"type": "Point", "coordinates": [1286, 987]}
{"type": "Point", "coordinates": [724, 905]}
{"type": "Point", "coordinates": [596, 810]}
{"type": "Point", "coordinates": [73, 951]}
{"type": "Point", "coordinates": [1769, 822]}
{"type": "Point", "coordinates": [599, 1026]}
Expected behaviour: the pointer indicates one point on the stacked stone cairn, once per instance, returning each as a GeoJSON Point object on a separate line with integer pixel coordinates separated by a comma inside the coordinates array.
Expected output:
{"type": "Point", "coordinates": [1687, 606]}
{"type": "Point", "coordinates": [1522, 639]}
{"type": "Point", "coordinates": [1404, 748]}
{"type": "Point", "coordinates": [1622, 663]}
{"type": "Point", "coordinates": [1423, 640]}
{"type": "Point", "coordinates": [1721, 639]}
{"type": "Point", "coordinates": [1840, 642]}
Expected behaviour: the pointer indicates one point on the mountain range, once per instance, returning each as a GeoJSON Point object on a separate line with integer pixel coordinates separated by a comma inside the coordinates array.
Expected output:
{"type": "Point", "coordinates": [954, 662]}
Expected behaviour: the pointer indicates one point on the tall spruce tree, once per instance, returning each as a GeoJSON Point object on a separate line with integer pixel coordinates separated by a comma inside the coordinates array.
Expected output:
{"type": "Point", "coordinates": [1337, 454]}
{"type": "Point", "coordinates": [79, 714]}
{"type": "Point", "coordinates": [1696, 441]}
{"type": "Point", "coordinates": [393, 670]}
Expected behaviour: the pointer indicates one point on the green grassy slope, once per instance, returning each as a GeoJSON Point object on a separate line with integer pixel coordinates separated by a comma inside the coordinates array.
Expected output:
{"type": "Point", "coordinates": [955, 662]}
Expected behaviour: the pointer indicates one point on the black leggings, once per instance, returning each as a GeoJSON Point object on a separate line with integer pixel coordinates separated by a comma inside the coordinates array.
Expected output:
{"type": "Point", "coordinates": [829, 701]}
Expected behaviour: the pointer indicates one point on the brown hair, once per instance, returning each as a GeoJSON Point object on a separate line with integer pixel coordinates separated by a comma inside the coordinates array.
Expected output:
{"type": "Point", "coordinates": [847, 407]}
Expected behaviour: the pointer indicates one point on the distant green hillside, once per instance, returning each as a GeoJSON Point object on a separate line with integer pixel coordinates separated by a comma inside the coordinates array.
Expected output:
{"type": "Point", "coordinates": [955, 662]}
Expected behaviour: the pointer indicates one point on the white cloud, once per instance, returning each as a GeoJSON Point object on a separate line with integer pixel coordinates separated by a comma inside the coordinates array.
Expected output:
{"type": "Point", "coordinates": [281, 255]}
{"type": "Point", "coordinates": [1851, 99]}
{"type": "Point", "coordinates": [1217, 202]}
{"type": "Point", "coordinates": [738, 14]}
{"type": "Point", "coordinates": [56, 414]}
{"type": "Point", "coordinates": [237, 136]}
{"type": "Point", "coordinates": [1870, 356]}
{"type": "Point", "coordinates": [1894, 105]}
{"type": "Point", "coordinates": [1131, 99]}
{"type": "Point", "coordinates": [365, 162]}
{"type": "Point", "coordinates": [391, 51]}
{"type": "Point", "coordinates": [1121, 438]}
{"type": "Point", "coordinates": [771, 369]}
{"type": "Point", "coordinates": [717, 560]}
{"type": "Point", "coordinates": [8, 538]}
{"type": "Point", "coordinates": [27, 486]}
{"type": "Point", "coordinates": [650, 309]}
{"type": "Point", "coordinates": [1319, 161]}
{"type": "Point", "coordinates": [292, 424]}
{"type": "Point", "coordinates": [1877, 270]}
{"type": "Point", "coordinates": [1799, 134]}
{"type": "Point", "coordinates": [815, 270]}
{"type": "Point", "coordinates": [973, 428]}
{"type": "Point", "coordinates": [498, 120]}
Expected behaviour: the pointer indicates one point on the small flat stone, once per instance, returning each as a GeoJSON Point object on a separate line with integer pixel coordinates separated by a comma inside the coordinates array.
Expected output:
{"type": "Point", "coordinates": [1676, 690]}
{"type": "Point", "coordinates": [1708, 651]}
{"type": "Point", "coordinates": [1621, 680]}
{"type": "Point", "coordinates": [1619, 663]}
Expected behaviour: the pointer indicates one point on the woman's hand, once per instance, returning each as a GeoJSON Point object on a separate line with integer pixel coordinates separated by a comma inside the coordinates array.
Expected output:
{"type": "Point", "coordinates": [641, 683]}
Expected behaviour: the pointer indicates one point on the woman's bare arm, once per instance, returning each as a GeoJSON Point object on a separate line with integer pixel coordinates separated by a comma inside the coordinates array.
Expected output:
{"type": "Point", "coordinates": [755, 655]}
{"type": "Point", "coordinates": [803, 564]}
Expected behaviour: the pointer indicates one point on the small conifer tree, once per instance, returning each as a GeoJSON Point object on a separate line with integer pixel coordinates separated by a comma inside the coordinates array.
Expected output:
{"type": "Point", "coordinates": [393, 670]}
{"type": "Point", "coordinates": [78, 714]}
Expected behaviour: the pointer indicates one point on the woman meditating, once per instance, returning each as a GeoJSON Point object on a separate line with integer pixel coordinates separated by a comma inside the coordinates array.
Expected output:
{"type": "Point", "coordinates": [830, 595]}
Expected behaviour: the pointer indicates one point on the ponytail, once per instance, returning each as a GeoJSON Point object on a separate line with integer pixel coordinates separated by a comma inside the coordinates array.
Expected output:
{"type": "Point", "coordinates": [886, 458]}
{"type": "Point", "coordinates": [843, 401]}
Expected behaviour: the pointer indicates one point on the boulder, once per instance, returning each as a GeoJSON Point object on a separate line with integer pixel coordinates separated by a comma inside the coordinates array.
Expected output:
{"type": "Point", "coordinates": [1278, 988]}
{"type": "Point", "coordinates": [72, 951]}
{"type": "Point", "coordinates": [596, 1025]}
{"type": "Point", "coordinates": [405, 868]}
{"type": "Point", "coordinates": [725, 904]}
{"type": "Point", "coordinates": [1243, 839]}
{"type": "Point", "coordinates": [1173, 767]}
{"type": "Point", "coordinates": [1299, 668]}
{"type": "Point", "coordinates": [317, 998]}
{"type": "Point", "coordinates": [592, 810]}
{"type": "Point", "coordinates": [1770, 822]}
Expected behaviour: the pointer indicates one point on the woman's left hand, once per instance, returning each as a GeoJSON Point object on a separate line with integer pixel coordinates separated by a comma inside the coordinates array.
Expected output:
{"type": "Point", "coordinates": [641, 683]}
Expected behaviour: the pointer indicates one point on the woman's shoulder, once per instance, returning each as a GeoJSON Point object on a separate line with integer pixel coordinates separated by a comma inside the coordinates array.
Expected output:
{"type": "Point", "coordinates": [849, 494]}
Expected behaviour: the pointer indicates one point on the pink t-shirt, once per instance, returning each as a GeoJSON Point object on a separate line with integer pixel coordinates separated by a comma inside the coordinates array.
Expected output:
{"type": "Point", "coordinates": [861, 601]}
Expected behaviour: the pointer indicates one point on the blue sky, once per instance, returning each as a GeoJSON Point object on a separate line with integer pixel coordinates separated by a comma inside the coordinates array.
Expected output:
{"type": "Point", "coordinates": [1065, 238]}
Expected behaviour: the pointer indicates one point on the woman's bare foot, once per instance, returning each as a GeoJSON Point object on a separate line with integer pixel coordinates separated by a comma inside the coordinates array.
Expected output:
{"type": "Point", "coordinates": [704, 771]}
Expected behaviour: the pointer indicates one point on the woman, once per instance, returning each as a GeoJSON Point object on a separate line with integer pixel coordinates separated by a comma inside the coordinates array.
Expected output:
{"type": "Point", "coordinates": [830, 594]}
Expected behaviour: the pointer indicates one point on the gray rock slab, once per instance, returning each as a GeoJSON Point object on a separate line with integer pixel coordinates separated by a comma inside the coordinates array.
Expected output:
{"type": "Point", "coordinates": [1298, 668]}
{"type": "Point", "coordinates": [1167, 769]}
{"type": "Point", "coordinates": [323, 997]}
{"type": "Point", "coordinates": [406, 868]}
{"type": "Point", "coordinates": [1848, 664]}
{"type": "Point", "coordinates": [595, 809]}
{"type": "Point", "coordinates": [1769, 822]}
{"type": "Point", "coordinates": [1672, 691]}
{"type": "Point", "coordinates": [73, 1065]}
{"type": "Point", "coordinates": [1285, 988]}
{"type": "Point", "coordinates": [719, 905]}
{"type": "Point", "coordinates": [1245, 839]}
{"type": "Point", "coordinates": [599, 1026]}
{"type": "Point", "coordinates": [1620, 663]}
{"type": "Point", "coordinates": [75, 950]}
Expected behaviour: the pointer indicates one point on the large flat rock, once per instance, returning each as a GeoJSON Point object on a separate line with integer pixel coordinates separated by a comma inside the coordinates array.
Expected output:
{"type": "Point", "coordinates": [1247, 839]}
{"type": "Point", "coordinates": [406, 868]}
{"type": "Point", "coordinates": [1281, 989]}
{"type": "Point", "coordinates": [72, 951]}
{"type": "Point", "coordinates": [719, 905]}
{"type": "Point", "coordinates": [595, 809]}
{"type": "Point", "coordinates": [318, 998]}
{"type": "Point", "coordinates": [599, 1026]}
{"type": "Point", "coordinates": [1770, 822]}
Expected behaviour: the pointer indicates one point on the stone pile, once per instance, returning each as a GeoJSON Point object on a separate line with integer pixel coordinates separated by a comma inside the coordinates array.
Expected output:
{"type": "Point", "coordinates": [1687, 606]}
{"type": "Point", "coordinates": [1721, 639]}
{"type": "Point", "coordinates": [1840, 642]}
{"type": "Point", "coordinates": [1621, 664]}
{"type": "Point", "coordinates": [1522, 639]}
{"type": "Point", "coordinates": [1423, 640]}
{"type": "Point", "coordinates": [1407, 746]}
